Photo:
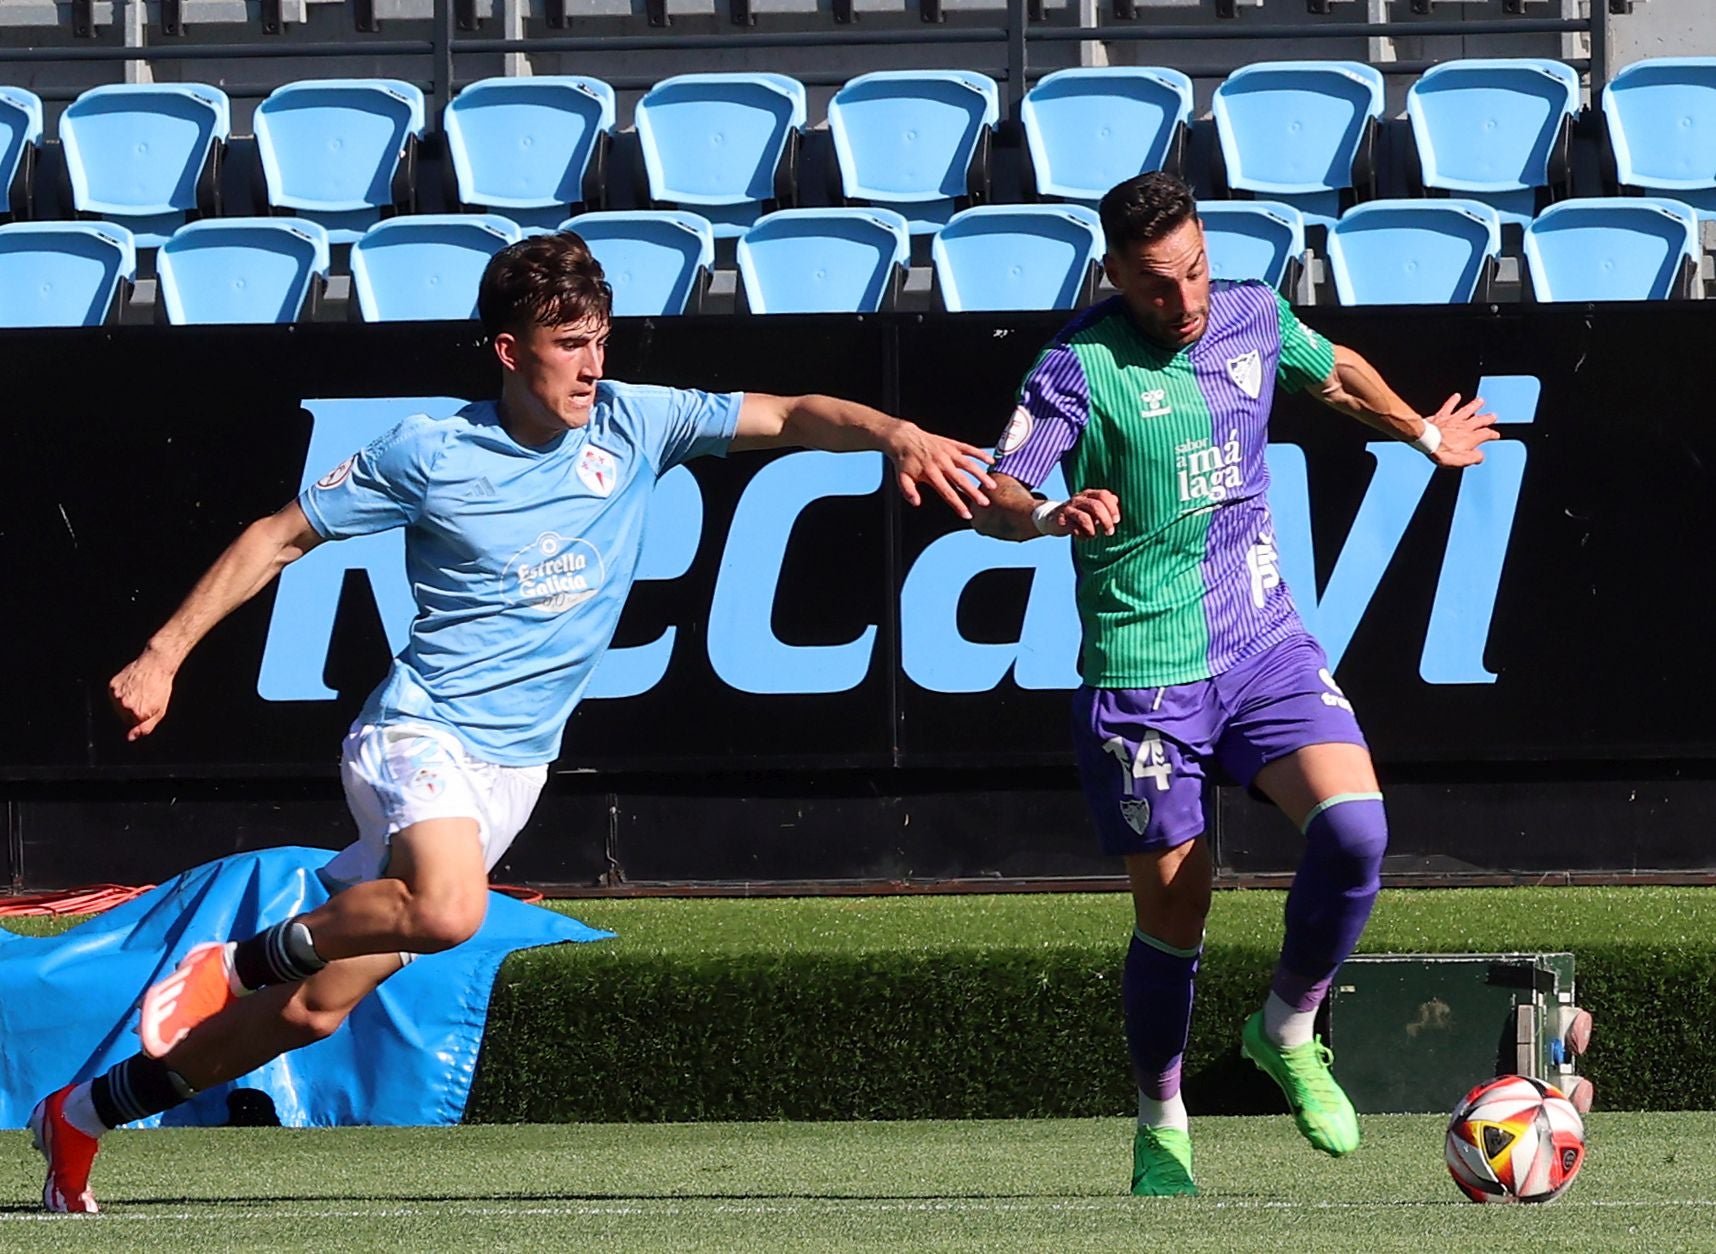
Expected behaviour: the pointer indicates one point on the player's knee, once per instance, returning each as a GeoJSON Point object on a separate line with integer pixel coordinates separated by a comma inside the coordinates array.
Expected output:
{"type": "Point", "coordinates": [440, 921]}
{"type": "Point", "coordinates": [1353, 831]}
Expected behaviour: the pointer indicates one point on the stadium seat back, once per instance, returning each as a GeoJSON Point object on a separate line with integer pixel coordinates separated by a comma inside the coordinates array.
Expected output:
{"type": "Point", "coordinates": [136, 151]}
{"type": "Point", "coordinates": [822, 260]}
{"type": "Point", "coordinates": [20, 131]}
{"type": "Point", "coordinates": [655, 260]}
{"type": "Point", "coordinates": [427, 266]}
{"type": "Point", "coordinates": [523, 144]}
{"type": "Point", "coordinates": [1413, 252]}
{"type": "Point", "coordinates": [906, 138]}
{"type": "Point", "coordinates": [62, 274]}
{"type": "Point", "coordinates": [1088, 129]}
{"type": "Point", "coordinates": [1016, 257]}
{"type": "Point", "coordinates": [712, 142]}
{"type": "Point", "coordinates": [1611, 249]}
{"type": "Point", "coordinates": [1292, 129]}
{"type": "Point", "coordinates": [330, 148]}
{"type": "Point", "coordinates": [250, 270]}
{"type": "Point", "coordinates": [1487, 128]}
{"type": "Point", "coordinates": [1661, 116]}
{"type": "Point", "coordinates": [1252, 239]}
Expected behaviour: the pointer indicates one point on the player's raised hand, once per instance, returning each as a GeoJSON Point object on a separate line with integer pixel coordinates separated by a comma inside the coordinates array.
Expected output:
{"type": "Point", "coordinates": [140, 694]}
{"type": "Point", "coordinates": [956, 471]}
{"type": "Point", "coordinates": [1093, 512]}
{"type": "Point", "coordinates": [1463, 428]}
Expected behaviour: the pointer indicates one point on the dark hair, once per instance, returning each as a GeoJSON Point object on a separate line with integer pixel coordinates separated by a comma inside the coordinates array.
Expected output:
{"type": "Point", "coordinates": [1144, 209]}
{"type": "Point", "coordinates": [546, 280]}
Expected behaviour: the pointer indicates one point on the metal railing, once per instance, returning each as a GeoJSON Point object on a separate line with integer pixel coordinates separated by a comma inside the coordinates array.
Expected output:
{"type": "Point", "coordinates": [1015, 37]}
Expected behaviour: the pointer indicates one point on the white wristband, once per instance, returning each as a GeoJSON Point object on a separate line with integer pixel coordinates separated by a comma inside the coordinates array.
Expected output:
{"type": "Point", "coordinates": [1429, 440]}
{"type": "Point", "coordinates": [1042, 518]}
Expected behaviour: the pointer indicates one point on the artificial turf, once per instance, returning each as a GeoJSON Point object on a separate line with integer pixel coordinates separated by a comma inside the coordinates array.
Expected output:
{"type": "Point", "coordinates": [978, 1185]}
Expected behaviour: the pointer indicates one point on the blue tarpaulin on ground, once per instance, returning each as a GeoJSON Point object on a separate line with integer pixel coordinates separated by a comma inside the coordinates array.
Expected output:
{"type": "Point", "coordinates": [405, 1056]}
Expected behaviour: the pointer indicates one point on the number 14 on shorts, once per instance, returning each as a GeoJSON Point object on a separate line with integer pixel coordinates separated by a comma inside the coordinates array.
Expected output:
{"type": "Point", "coordinates": [1148, 762]}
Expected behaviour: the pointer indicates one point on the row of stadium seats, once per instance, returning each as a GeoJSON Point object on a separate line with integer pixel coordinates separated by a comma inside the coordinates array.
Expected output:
{"type": "Point", "coordinates": [848, 260]}
{"type": "Point", "coordinates": [341, 152]}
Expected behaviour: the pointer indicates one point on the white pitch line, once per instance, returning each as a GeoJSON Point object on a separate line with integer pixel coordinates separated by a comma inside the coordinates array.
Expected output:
{"type": "Point", "coordinates": [256, 1208]}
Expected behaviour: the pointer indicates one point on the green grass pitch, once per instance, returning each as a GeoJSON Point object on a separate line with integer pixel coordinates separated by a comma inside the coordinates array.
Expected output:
{"type": "Point", "coordinates": [1033, 1185]}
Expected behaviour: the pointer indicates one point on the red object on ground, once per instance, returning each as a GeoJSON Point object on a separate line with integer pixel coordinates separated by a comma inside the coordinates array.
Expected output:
{"type": "Point", "coordinates": [90, 900]}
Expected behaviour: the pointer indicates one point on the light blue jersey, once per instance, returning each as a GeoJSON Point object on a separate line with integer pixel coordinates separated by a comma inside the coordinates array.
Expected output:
{"type": "Point", "coordinates": [519, 558]}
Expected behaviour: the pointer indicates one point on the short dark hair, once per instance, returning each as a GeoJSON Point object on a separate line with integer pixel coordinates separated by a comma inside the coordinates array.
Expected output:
{"type": "Point", "coordinates": [1144, 209]}
{"type": "Point", "coordinates": [546, 280]}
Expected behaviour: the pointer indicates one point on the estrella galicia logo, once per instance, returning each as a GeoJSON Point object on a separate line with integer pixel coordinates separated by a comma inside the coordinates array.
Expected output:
{"type": "Point", "coordinates": [554, 573]}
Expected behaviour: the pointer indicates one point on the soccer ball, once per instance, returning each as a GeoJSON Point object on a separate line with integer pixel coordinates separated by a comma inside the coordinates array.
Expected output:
{"type": "Point", "coordinates": [1515, 1139]}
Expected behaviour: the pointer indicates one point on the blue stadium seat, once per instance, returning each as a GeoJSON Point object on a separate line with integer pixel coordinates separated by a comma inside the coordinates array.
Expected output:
{"type": "Point", "coordinates": [823, 260]}
{"type": "Point", "coordinates": [656, 260]}
{"type": "Point", "coordinates": [64, 274]}
{"type": "Point", "coordinates": [426, 267]}
{"type": "Point", "coordinates": [1494, 130]}
{"type": "Point", "coordinates": [144, 155]}
{"type": "Point", "coordinates": [916, 141]}
{"type": "Point", "coordinates": [338, 151]}
{"type": "Point", "coordinates": [1612, 249]}
{"type": "Point", "coordinates": [1017, 257]}
{"type": "Point", "coordinates": [1253, 239]}
{"type": "Point", "coordinates": [1661, 116]}
{"type": "Point", "coordinates": [229, 270]}
{"type": "Point", "coordinates": [1088, 129]}
{"type": "Point", "coordinates": [1414, 252]}
{"type": "Point", "coordinates": [20, 145]}
{"type": "Point", "coordinates": [1299, 132]}
{"type": "Point", "coordinates": [531, 147]}
{"type": "Point", "coordinates": [724, 146]}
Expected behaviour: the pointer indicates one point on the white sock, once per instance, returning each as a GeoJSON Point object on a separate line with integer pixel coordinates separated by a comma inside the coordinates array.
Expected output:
{"type": "Point", "coordinates": [1170, 1112]}
{"type": "Point", "coordinates": [80, 1111]}
{"type": "Point", "coordinates": [1284, 1025]}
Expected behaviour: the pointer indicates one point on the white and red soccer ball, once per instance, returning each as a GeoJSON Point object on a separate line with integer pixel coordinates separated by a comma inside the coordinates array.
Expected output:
{"type": "Point", "coordinates": [1515, 1139]}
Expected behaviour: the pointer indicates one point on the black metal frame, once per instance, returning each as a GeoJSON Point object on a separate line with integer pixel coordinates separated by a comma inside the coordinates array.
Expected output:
{"type": "Point", "coordinates": [1014, 34]}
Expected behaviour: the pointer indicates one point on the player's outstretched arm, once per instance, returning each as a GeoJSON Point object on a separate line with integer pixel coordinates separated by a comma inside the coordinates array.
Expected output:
{"type": "Point", "coordinates": [141, 691]}
{"type": "Point", "coordinates": [1014, 514]}
{"type": "Point", "coordinates": [1449, 437]}
{"type": "Point", "coordinates": [954, 470]}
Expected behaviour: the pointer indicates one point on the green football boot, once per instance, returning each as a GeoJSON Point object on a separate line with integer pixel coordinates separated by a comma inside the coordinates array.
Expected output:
{"type": "Point", "coordinates": [1162, 1163]}
{"type": "Point", "coordinates": [1323, 1113]}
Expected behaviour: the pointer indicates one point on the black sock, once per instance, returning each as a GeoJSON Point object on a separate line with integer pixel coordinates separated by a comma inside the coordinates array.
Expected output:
{"type": "Point", "coordinates": [280, 955]}
{"type": "Point", "coordinates": [137, 1088]}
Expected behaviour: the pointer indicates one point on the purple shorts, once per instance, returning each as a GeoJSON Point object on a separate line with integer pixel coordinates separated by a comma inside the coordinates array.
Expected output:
{"type": "Point", "coordinates": [1142, 751]}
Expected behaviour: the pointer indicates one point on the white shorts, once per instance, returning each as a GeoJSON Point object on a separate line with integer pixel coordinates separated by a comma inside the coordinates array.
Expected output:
{"type": "Point", "coordinates": [404, 773]}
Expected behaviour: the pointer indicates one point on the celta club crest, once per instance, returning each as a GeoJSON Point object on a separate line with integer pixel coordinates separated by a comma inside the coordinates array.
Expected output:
{"type": "Point", "coordinates": [598, 470]}
{"type": "Point", "coordinates": [1246, 371]}
{"type": "Point", "coordinates": [1136, 812]}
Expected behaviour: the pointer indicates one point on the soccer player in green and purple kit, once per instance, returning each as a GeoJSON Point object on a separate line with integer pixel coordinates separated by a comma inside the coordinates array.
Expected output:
{"type": "Point", "coordinates": [1156, 406]}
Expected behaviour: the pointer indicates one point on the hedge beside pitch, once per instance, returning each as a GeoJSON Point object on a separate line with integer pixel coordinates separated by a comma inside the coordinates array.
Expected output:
{"type": "Point", "coordinates": [1008, 1007]}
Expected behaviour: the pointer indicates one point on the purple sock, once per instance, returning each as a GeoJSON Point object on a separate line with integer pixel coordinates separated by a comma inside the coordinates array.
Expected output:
{"type": "Point", "coordinates": [1157, 992]}
{"type": "Point", "coordinates": [1332, 895]}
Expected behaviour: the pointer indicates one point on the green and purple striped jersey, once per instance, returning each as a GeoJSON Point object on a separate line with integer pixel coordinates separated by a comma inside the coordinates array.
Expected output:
{"type": "Point", "coordinates": [1189, 583]}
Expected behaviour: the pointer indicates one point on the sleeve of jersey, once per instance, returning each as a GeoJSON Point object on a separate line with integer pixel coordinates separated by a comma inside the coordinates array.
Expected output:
{"type": "Point", "coordinates": [697, 424]}
{"type": "Point", "coordinates": [1307, 359]}
{"type": "Point", "coordinates": [378, 488]}
{"type": "Point", "coordinates": [1054, 405]}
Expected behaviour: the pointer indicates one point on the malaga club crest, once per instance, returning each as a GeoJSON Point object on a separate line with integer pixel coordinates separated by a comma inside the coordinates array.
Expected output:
{"type": "Point", "coordinates": [1246, 371]}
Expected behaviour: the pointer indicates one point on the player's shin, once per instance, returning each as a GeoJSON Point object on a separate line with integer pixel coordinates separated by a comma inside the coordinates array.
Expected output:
{"type": "Point", "coordinates": [1157, 993]}
{"type": "Point", "coordinates": [1327, 909]}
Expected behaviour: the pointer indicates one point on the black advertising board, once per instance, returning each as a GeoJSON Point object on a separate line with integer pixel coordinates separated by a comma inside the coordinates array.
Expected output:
{"type": "Point", "coordinates": [793, 614]}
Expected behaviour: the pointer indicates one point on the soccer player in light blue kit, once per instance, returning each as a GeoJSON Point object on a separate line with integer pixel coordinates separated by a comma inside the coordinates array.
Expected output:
{"type": "Point", "coordinates": [523, 519]}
